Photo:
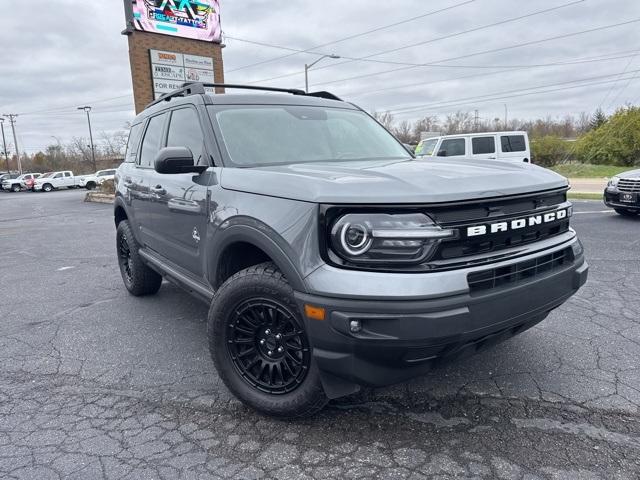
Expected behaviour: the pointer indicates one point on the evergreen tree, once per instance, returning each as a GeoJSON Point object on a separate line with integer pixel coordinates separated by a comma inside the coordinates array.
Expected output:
{"type": "Point", "coordinates": [598, 119]}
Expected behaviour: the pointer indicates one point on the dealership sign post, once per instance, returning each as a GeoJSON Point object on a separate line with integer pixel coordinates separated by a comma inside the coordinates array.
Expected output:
{"type": "Point", "coordinates": [172, 42]}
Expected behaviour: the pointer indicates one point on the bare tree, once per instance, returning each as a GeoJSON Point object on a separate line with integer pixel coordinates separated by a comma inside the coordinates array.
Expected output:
{"type": "Point", "coordinates": [385, 118]}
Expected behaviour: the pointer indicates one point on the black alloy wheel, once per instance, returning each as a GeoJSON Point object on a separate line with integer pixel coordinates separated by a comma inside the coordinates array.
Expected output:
{"type": "Point", "coordinates": [267, 346]}
{"type": "Point", "coordinates": [124, 257]}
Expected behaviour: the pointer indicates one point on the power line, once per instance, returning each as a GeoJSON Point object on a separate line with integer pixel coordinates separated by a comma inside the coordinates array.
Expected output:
{"type": "Point", "coordinates": [433, 40]}
{"type": "Point", "coordinates": [471, 101]}
{"type": "Point", "coordinates": [74, 106]}
{"type": "Point", "coordinates": [350, 37]}
{"type": "Point", "coordinates": [484, 52]}
{"type": "Point", "coordinates": [600, 58]}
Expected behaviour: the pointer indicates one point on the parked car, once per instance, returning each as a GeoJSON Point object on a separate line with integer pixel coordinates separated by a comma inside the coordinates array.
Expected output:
{"type": "Point", "coordinates": [508, 146]}
{"type": "Point", "coordinates": [330, 257]}
{"type": "Point", "coordinates": [8, 176]}
{"type": "Point", "coordinates": [55, 180]}
{"type": "Point", "coordinates": [623, 193]}
{"type": "Point", "coordinates": [17, 184]}
{"type": "Point", "coordinates": [95, 179]}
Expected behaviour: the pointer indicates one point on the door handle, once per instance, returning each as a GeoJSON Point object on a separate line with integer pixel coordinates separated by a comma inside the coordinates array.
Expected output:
{"type": "Point", "coordinates": [158, 189]}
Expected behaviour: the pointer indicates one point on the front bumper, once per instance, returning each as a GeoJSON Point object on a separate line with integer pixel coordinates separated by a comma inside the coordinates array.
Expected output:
{"type": "Point", "coordinates": [612, 200]}
{"type": "Point", "coordinates": [403, 338]}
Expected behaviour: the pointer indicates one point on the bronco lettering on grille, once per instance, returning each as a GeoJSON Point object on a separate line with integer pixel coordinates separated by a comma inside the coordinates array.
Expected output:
{"type": "Point", "coordinates": [517, 224]}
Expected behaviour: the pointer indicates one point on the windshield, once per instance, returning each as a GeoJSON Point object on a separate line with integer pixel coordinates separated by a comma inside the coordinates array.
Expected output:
{"type": "Point", "coordinates": [286, 134]}
{"type": "Point", "coordinates": [425, 147]}
{"type": "Point", "coordinates": [46, 175]}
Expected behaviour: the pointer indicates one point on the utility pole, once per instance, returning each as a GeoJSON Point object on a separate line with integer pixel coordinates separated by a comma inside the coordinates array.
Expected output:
{"type": "Point", "coordinates": [505, 116]}
{"type": "Point", "coordinates": [12, 120]}
{"type": "Point", "coordinates": [476, 120]}
{"type": "Point", "coordinates": [308, 67]}
{"type": "Point", "coordinates": [87, 109]}
{"type": "Point", "coordinates": [4, 144]}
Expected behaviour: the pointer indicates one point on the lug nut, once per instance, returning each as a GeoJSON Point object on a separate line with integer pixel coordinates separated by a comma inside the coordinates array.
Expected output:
{"type": "Point", "coordinates": [278, 337]}
{"type": "Point", "coordinates": [262, 342]}
{"type": "Point", "coordinates": [269, 353]}
{"type": "Point", "coordinates": [280, 349]}
{"type": "Point", "coordinates": [268, 332]}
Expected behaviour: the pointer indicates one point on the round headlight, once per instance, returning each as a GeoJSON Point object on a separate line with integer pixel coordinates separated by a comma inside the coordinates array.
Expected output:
{"type": "Point", "coordinates": [355, 239]}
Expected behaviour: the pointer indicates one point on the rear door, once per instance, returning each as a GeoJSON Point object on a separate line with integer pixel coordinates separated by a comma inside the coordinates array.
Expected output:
{"type": "Point", "coordinates": [179, 213]}
{"type": "Point", "coordinates": [514, 147]}
{"type": "Point", "coordinates": [484, 147]}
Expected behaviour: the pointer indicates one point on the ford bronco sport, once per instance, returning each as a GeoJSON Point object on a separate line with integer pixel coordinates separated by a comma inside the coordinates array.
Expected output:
{"type": "Point", "coordinates": [329, 256]}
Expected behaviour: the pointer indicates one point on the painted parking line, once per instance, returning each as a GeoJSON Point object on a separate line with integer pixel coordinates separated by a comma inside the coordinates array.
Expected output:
{"type": "Point", "coordinates": [595, 211]}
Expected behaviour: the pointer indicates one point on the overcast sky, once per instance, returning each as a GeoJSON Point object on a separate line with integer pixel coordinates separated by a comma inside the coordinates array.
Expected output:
{"type": "Point", "coordinates": [59, 54]}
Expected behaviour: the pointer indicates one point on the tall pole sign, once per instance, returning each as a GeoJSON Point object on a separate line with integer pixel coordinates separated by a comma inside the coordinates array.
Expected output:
{"type": "Point", "coordinates": [172, 42]}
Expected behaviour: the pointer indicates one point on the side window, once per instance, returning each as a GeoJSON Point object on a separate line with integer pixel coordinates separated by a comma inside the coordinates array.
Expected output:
{"type": "Point", "coordinates": [67, 174]}
{"type": "Point", "coordinates": [483, 145]}
{"type": "Point", "coordinates": [513, 143]}
{"type": "Point", "coordinates": [151, 142]}
{"type": "Point", "coordinates": [452, 148]}
{"type": "Point", "coordinates": [185, 131]}
{"type": "Point", "coordinates": [132, 143]}
{"type": "Point", "coordinates": [57, 175]}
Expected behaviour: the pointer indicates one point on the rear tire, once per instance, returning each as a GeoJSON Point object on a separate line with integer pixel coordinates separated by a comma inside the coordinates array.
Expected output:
{"type": "Point", "coordinates": [15, 188]}
{"type": "Point", "coordinates": [90, 185]}
{"type": "Point", "coordinates": [259, 346]}
{"type": "Point", "coordinates": [138, 278]}
{"type": "Point", "coordinates": [47, 187]}
{"type": "Point", "coordinates": [626, 213]}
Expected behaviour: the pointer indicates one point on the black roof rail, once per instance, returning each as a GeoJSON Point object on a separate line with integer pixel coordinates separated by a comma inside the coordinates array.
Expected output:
{"type": "Point", "coordinates": [323, 94]}
{"type": "Point", "coordinates": [187, 89]}
{"type": "Point", "coordinates": [198, 88]}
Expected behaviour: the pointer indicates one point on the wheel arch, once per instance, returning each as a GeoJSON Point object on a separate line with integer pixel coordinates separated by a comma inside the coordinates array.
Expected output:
{"type": "Point", "coordinates": [250, 246]}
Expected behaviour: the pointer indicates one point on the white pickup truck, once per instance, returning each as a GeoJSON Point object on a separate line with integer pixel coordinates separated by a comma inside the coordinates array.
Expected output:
{"type": "Point", "coordinates": [93, 180]}
{"type": "Point", "coordinates": [54, 180]}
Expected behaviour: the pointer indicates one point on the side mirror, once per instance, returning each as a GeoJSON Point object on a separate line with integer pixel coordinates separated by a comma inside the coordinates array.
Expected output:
{"type": "Point", "coordinates": [442, 153]}
{"type": "Point", "coordinates": [172, 160]}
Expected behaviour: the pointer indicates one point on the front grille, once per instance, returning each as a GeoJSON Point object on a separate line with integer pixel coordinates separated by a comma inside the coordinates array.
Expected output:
{"type": "Point", "coordinates": [517, 272]}
{"type": "Point", "coordinates": [496, 242]}
{"type": "Point", "coordinates": [631, 185]}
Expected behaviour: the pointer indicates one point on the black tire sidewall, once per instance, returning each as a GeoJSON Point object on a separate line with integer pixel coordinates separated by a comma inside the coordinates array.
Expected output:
{"type": "Point", "coordinates": [307, 398]}
{"type": "Point", "coordinates": [144, 281]}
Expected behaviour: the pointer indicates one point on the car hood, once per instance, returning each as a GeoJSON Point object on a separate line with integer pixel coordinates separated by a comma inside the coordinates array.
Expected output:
{"type": "Point", "coordinates": [630, 174]}
{"type": "Point", "coordinates": [411, 181]}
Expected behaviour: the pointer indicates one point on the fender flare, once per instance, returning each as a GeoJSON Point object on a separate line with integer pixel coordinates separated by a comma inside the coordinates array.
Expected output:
{"type": "Point", "coordinates": [258, 238]}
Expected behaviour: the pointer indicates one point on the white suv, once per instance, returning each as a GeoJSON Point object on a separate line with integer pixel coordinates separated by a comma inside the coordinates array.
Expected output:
{"type": "Point", "coordinates": [93, 180]}
{"type": "Point", "coordinates": [509, 146]}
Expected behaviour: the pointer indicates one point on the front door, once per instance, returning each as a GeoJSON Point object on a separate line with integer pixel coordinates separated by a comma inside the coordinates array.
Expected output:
{"type": "Point", "coordinates": [179, 214]}
{"type": "Point", "coordinates": [138, 179]}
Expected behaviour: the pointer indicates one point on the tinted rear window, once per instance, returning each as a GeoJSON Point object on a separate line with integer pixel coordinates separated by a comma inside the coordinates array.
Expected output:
{"type": "Point", "coordinates": [483, 145]}
{"type": "Point", "coordinates": [513, 143]}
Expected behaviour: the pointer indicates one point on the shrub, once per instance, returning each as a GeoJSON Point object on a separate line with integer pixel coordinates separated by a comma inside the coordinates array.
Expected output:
{"type": "Point", "coordinates": [550, 150]}
{"type": "Point", "coordinates": [108, 187]}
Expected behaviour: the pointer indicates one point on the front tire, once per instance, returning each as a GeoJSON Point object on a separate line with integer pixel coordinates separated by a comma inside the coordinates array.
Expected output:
{"type": "Point", "coordinates": [259, 346]}
{"type": "Point", "coordinates": [138, 278]}
{"type": "Point", "coordinates": [625, 213]}
{"type": "Point", "coordinates": [15, 188]}
{"type": "Point", "coordinates": [90, 185]}
{"type": "Point", "coordinates": [47, 187]}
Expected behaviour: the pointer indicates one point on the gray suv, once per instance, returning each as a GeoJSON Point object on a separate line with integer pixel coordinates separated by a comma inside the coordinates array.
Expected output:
{"type": "Point", "coordinates": [330, 257]}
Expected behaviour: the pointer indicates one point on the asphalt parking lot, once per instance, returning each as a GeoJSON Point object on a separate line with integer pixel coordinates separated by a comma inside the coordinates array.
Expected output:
{"type": "Point", "coordinates": [95, 383]}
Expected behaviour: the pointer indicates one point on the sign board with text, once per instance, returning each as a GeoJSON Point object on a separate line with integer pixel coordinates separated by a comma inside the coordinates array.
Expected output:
{"type": "Point", "coordinates": [169, 70]}
{"type": "Point", "coordinates": [192, 19]}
